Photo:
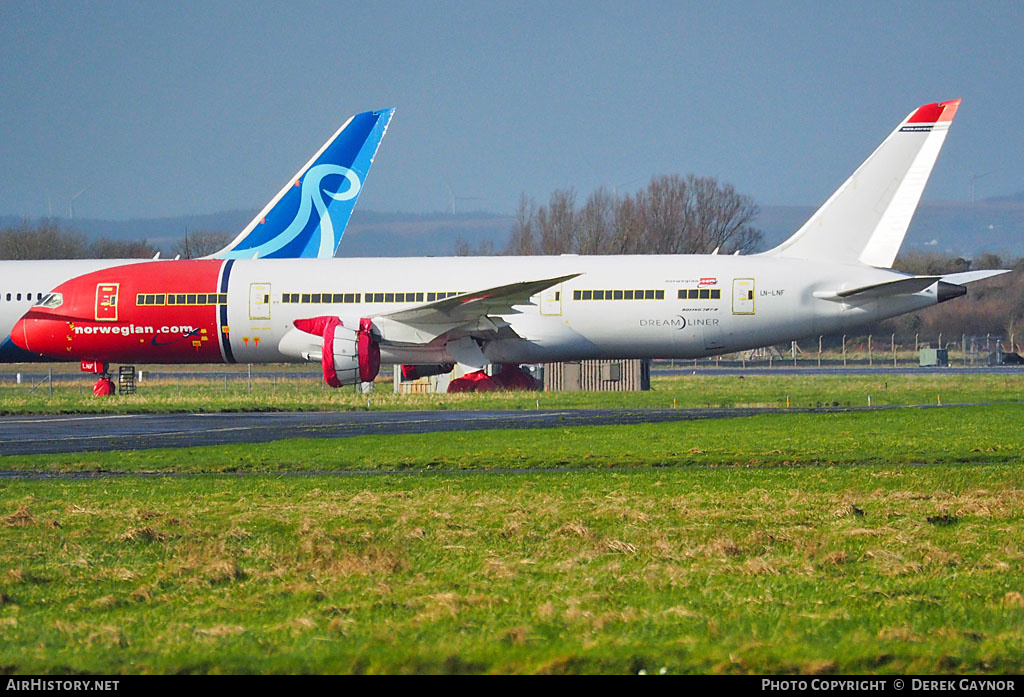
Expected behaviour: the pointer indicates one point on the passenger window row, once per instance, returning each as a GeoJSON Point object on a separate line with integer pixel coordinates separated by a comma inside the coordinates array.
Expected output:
{"type": "Point", "coordinates": [700, 294]}
{"type": "Point", "coordinates": [28, 296]}
{"type": "Point", "coordinates": [408, 297]}
{"type": "Point", "coordinates": [345, 298]}
{"type": "Point", "coordinates": [618, 295]}
{"type": "Point", "coordinates": [317, 298]}
{"type": "Point", "coordinates": [181, 299]}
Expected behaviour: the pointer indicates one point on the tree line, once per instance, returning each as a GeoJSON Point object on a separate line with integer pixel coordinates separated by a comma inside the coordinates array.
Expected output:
{"type": "Point", "coordinates": [671, 215]}
{"type": "Point", "coordinates": [47, 240]}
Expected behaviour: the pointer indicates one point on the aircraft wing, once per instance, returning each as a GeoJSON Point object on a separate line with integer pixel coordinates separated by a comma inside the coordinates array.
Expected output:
{"type": "Point", "coordinates": [478, 311]}
{"type": "Point", "coordinates": [468, 306]}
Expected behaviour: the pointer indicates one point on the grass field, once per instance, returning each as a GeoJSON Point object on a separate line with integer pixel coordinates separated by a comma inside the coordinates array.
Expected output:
{"type": "Point", "coordinates": [871, 542]}
{"type": "Point", "coordinates": [851, 570]}
{"type": "Point", "coordinates": [211, 395]}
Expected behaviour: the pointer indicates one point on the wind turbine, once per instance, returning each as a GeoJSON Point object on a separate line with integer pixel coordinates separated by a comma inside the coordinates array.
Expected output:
{"type": "Point", "coordinates": [974, 180]}
{"type": "Point", "coordinates": [71, 204]}
{"type": "Point", "coordinates": [455, 199]}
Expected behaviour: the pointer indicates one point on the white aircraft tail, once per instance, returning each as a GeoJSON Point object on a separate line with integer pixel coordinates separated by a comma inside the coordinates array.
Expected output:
{"type": "Point", "coordinates": [867, 218]}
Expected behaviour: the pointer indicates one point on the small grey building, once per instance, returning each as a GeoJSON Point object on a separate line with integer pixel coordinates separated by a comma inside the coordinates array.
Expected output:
{"type": "Point", "coordinates": [631, 375]}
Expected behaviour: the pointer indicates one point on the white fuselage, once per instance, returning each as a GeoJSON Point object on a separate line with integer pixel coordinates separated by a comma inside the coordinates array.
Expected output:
{"type": "Point", "coordinates": [760, 301]}
{"type": "Point", "coordinates": [741, 302]}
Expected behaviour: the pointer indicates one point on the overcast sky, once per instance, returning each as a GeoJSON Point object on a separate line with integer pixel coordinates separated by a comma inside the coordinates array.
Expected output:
{"type": "Point", "coordinates": [161, 109]}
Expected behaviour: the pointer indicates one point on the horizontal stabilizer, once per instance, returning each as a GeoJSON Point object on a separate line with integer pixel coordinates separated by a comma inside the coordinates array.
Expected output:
{"type": "Point", "coordinates": [904, 286]}
{"type": "Point", "coordinates": [971, 276]}
{"type": "Point", "coordinates": [908, 286]}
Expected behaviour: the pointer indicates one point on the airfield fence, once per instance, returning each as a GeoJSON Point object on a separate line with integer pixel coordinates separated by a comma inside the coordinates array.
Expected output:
{"type": "Point", "coordinates": [864, 351]}
{"type": "Point", "coordinates": [834, 352]}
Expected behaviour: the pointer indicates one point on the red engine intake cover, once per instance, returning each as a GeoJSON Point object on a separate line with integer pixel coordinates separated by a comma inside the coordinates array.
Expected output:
{"type": "Point", "coordinates": [367, 350]}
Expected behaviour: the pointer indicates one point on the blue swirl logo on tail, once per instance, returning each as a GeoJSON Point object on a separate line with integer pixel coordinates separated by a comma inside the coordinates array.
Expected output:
{"type": "Point", "coordinates": [308, 217]}
{"type": "Point", "coordinates": [313, 216]}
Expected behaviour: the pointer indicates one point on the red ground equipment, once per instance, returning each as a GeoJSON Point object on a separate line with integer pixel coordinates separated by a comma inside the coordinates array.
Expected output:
{"type": "Point", "coordinates": [510, 377]}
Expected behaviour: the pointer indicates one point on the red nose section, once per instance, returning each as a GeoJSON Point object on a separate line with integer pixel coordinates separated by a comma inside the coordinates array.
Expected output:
{"type": "Point", "coordinates": [18, 335]}
{"type": "Point", "coordinates": [39, 334]}
{"type": "Point", "coordinates": [158, 312]}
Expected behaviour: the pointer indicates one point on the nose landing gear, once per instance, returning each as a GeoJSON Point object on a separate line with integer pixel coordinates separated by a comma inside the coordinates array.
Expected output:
{"type": "Point", "coordinates": [104, 386]}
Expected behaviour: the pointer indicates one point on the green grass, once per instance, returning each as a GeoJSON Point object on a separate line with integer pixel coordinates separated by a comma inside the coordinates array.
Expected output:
{"type": "Point", "coordinates": [951, 435]}
{"type": "Point", "coordinates": [867, 542]}
{"type": "Point", "coordinates": [688, 547]}
{"type": "Point", "coordinates": [206, 395]}
{"type": "Point", "coordinates": [686, 570]}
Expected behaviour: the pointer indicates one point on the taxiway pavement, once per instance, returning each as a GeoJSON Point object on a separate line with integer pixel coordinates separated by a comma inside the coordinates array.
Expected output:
{"type": "Point", "coordinates": [35, 435]}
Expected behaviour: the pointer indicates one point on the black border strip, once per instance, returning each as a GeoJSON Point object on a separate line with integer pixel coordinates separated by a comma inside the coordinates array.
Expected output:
{"type": "Point", "coordinates": [225, 340]}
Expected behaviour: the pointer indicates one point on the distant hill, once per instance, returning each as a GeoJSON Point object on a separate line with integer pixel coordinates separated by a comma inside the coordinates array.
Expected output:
{"type": "Point", "coordinates": [393, 234]}
{"type": "Point", "coordinates": [992, 225]}
{"type": "Point", "coordinates": [1012, 198]}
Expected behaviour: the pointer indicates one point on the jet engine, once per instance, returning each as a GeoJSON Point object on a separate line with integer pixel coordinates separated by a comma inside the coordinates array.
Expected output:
{"type": "Point", "coordinates": [350, 355]}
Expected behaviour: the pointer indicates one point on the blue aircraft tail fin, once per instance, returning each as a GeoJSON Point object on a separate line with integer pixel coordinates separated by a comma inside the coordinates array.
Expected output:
{"type": "Point", "coordinates": [308, 216]}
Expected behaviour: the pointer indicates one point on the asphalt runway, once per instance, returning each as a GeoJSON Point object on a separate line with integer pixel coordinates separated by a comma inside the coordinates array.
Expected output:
{"type": "Point", "coordinates": [38, 435]}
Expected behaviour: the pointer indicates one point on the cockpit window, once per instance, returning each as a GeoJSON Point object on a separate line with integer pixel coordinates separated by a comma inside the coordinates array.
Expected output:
{"type": "Point", "coordinates": [51, 300]}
